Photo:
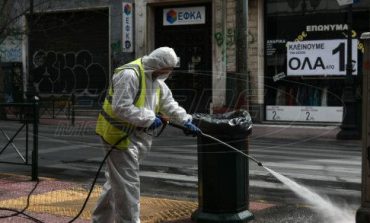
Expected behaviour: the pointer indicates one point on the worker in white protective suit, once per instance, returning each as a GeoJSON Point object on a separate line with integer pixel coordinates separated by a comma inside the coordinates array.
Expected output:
{"type": "Point", "coordinates": [136, 96]}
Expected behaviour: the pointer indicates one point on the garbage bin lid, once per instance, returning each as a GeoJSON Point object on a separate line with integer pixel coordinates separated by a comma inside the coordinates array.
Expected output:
{"type": "Point", "coordinates": [233, 123]}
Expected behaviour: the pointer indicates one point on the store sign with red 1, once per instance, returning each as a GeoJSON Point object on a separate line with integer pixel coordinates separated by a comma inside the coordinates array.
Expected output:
{"type": "Point", "coordinates": [320, 57]}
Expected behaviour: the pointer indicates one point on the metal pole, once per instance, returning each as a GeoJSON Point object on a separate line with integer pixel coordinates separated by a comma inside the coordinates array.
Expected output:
{"type": "Point", "coordinates": [73, 108]}
{"type": "Point", "coordinates": [349, 44]}
{"type": "Point", "coordinates": [363, 213]}
{"type": "Point", "coordinates": [35, 140]}
{"type": "Point", "coordinates": [30, 89]}
{"type": "Point", "coordinates": [241, 36]}
{"type": "Point", "coordinates": [349, 128]}
{"type": "Point", "coordinates": [53, 106]}
{"type": "Point", "coordinates": [242, 47]}
{"type": "Point", "coordinates": [27, 140]}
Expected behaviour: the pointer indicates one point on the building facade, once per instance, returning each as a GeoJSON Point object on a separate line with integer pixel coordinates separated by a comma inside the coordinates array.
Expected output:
{"type": "Point", "coordinates": [207, 79]}
{"type": "Point", "coordinates": [76, 45]}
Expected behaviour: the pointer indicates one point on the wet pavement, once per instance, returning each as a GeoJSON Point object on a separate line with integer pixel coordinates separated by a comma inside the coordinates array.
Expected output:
{"type": "Point", "coordinates": [59, 200]}
{"type": "Point", "coordinates": [55, 201]}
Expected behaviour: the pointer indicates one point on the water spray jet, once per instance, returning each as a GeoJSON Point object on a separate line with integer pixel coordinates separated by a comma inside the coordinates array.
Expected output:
{"type": "Point", "coordinates": [219, 141]}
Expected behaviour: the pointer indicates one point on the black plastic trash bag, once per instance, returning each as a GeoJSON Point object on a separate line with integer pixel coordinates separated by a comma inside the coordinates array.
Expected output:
{"type": "Point", "coordinates": [233, 123]}
{"type": "Point", "coordinates": [223, 184]}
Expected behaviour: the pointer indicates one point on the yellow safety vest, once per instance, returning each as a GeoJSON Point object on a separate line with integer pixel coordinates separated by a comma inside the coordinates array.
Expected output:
{"type": "Point", "coordinates": [111, 128]}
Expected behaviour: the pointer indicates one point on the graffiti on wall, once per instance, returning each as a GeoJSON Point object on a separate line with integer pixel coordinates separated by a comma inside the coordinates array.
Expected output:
{"type": "Point", "coordinates": [229, 37]}
{"type": "Point", "coordinates": [72, 72]}
{"type": "Point", "coordinates": [116, 47]}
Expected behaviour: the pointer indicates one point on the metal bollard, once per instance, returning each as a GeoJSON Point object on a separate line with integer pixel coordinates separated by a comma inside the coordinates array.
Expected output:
{"type": "Point", "coordinates": [35, 140]}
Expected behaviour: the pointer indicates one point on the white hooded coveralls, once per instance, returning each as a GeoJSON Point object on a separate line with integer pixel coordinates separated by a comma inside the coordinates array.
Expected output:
{"type": "Point", "coordinates": [120, 198]}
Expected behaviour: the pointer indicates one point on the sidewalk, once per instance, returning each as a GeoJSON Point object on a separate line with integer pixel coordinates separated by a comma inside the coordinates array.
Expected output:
{"type": "Point", "coordinates": [55, 201]}
{"type": "Point", "coordinates": [59, 201]}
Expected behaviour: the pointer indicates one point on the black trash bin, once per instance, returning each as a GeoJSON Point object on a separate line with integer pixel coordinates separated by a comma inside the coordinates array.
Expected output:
{"type": "Point", "coordinates": [223, 183]}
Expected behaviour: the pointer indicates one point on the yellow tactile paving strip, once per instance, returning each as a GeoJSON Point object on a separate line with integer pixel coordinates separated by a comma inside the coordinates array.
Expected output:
{"type": "Point", "coordinates": [68, 203]}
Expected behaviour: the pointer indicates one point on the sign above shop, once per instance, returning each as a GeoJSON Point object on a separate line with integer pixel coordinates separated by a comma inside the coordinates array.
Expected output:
{"type": "Point", "coordinates": [347, 2]}
{"type": "Point", "coordinates": [184, 16]}
{"type": "Point", "coordinates": [127, 29]}
{"type": "Point", "coordinates": [326, 27]}
{"type": "Point", "coordinates": [320, 57]}
{"type": "Point", "coordinates": [304, 113]}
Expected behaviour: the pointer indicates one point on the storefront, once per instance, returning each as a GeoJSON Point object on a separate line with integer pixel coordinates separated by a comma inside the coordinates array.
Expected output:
{"type": "Point", "coordinates": [70, 52]}
{"type": "Point", "coordinates": [202, 34]}
{"type": "Point", "coordinates": [187, 29]}
{"type": "Point", "coordinates": [305, 58]}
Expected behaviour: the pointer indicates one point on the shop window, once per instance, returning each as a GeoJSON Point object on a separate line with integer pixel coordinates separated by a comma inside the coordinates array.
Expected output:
{"type": "Point", "coordinates": [305, 55]}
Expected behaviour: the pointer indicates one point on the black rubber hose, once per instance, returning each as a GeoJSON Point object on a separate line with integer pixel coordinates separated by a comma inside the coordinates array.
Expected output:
{"type": "Point", "coordinates": [21, 212]}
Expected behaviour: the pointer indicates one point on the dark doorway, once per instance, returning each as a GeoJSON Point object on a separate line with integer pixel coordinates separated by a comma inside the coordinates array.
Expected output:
{"type": "Point", "coordinates": [191, 82]}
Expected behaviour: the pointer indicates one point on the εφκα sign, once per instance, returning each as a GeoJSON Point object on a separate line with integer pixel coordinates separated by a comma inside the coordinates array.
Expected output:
{"type": "Point", "coordinates": [184, 16]}
{"type": "Point", "coordinates": [320, 57]}
{"type": "Point", "coordinates": [127, 29]}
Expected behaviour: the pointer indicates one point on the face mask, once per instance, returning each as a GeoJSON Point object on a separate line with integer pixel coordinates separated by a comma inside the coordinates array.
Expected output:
{"type": "Point", "coordinates": [163, 76]}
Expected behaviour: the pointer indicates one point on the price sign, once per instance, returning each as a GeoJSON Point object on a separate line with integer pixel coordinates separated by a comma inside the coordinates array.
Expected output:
{"type": "Point", "coordinates": [320, 57]}
{"type": "Point", "coordinates": [347, 2]}
{"type": "Point", "coordinates": [304, 113]}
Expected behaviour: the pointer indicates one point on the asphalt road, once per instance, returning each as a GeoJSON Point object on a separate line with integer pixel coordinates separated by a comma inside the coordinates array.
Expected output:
{"type": "Point", "coordinates": [309, 155]}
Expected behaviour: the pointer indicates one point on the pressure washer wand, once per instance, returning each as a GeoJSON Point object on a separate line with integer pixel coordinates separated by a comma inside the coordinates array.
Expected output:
{"type": "Point", "coordinates": [231, 147]}
{"type": "Point", "coordinates": [219, 141]}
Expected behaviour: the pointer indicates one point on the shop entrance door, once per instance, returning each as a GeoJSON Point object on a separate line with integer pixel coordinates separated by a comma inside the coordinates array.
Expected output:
{"type": "Point", "coordinates": [191, 81]}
